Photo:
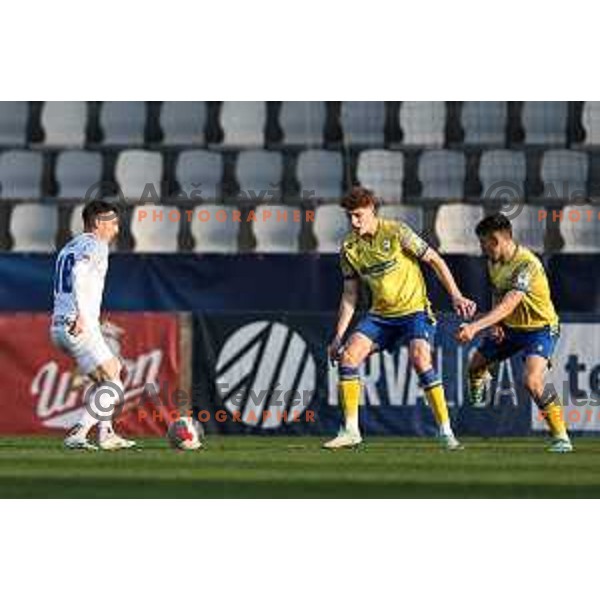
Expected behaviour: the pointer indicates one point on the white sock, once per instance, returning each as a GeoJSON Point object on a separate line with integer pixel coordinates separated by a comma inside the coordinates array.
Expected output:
{"type": "Point", "coordinates": [446, 429]}
{"type": "Point", "coordinates": [108, 395]}
{"type": "Point", "coordinates": [87, 419]}
{"type": "Point", "coordinates": [352, 424]}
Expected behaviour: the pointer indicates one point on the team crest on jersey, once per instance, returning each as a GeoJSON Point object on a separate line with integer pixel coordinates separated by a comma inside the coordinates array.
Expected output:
{"type": "Point", "coordinates": [386, 245]}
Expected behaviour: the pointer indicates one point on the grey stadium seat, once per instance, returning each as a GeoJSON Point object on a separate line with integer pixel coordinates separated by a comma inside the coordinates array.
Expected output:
{"type": "Point", "coordinates": [502, 172]}
{"type": "Point", "coordinates": [545, 122]}
{"type": "Point", "coordinates": [64, 123]}
{"type": "Point", "coordinates": [75, 220]}
{"type": "Point", "coordinates": [123, 123]}
{"type": "Point", "coordinates": [183, 123]}
{"type": "Point", "coordinates": [383, 172]}
{"type": "Point", "coordinates": [136, 169]}
{"type": "Point", "coordinates": [76, 172]}
{"type": "Point", "coordinates": [243, 123]}
{"type": "Point", "coordinates": [21, 175]}
{"type": "Point", "coordinates": [273, 235]}
{"type": "Point", "coordinates": [564, 174]}
{"type": "Point", "coordinates": [200, 171]}
{"type": "Point", "coordinates": [423, 123]}
{"type": "Point", "coordinates": [259, 172]}
{"type": "Point", "coordinates": [591, 123]}
{"type": "Point", "coordinates": [330, 227]}
{"type": "Point", "coordinates": [153, 233]}
{"type": "Point", "coordinates": [411, 215]}
{"type": "Point", "coordinates": [580, 235]}
{"type": "Point", "coordinates": [528, 229]}
{"type": "Point", "coordinates": [33, 227]}
{"type": "Point", "coordinates": [13, 123]}
{"type": "Point", "coordinates": [320, 174]}
{"type": "Point", "coordinates": [484, 123]}
{"type": "Point", "coordinates": [363, 123]}
{"type": "Point", "coordinates": [215, 234]}
{"type": "Point", "coordinates": [442, 174]}
{"type": "Point", "coordinates": [302, 123]}
{"type": "Point", "coordinates": [455, 227]}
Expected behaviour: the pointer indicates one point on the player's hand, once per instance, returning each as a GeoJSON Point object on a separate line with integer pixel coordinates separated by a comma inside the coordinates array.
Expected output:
{"type": "Point", "coordinates": [77, 326]}
{"type": "Point", "coordinates": [334, 350]}
{"type": "Point", "coordinates": [464, 307]}
{"type": "Point", "coordinates": [466, 332]}
{"type": "Point", "coordinates": [497, 333]}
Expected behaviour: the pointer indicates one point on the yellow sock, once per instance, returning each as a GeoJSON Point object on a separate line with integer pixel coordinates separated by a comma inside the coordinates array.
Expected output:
{"type": "Point", "coordinates": [437, 400]}
{"type": "Point", "coordinates": [553, 415]}
{"type": "Point", "coordinates": [349, 394]}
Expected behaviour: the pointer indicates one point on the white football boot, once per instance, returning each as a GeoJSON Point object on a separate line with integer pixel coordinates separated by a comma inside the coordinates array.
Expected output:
{"type": "Point", "coordinates": [75, 440]}
{"type": "Point", "coordinates": [346, 438]}
{"type": "Point", "coordinates": [449, 442]}
{"type": "Point", "coordinates": [112, 441]}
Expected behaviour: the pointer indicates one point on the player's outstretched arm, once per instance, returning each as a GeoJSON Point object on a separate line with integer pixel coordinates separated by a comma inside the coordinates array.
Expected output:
{"type": "Point", "coordinates": [504, 308]}
{"type": "Point", "coordinates": [463, 306]}
{"type": "Point", "coordinates": [345, 314]}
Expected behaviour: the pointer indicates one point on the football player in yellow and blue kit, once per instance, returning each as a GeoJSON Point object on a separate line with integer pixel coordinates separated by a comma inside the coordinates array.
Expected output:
{"type": "Point", "coordinates": [523, 320]}
{"type": "Point", "coordinates": [386, 255]}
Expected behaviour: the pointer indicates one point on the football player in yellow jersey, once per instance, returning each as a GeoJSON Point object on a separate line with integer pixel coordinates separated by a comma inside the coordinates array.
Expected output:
{"type": "Point", "coordinates": [523, 320]}
{"type": "Point", "coordinates": [386, 255]}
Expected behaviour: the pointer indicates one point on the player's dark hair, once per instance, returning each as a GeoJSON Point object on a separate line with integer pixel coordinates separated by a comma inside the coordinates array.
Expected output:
{"type": "Point", "coordinates": [94, 208]}
{"type": "Point", "coordinates": [493, 223]}
{"type": "Point", "coordinates": [359, 197]}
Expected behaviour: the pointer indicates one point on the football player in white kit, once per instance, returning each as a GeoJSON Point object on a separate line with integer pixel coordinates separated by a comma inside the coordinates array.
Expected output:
{"type": "Point", "coordinates": [79, 277]}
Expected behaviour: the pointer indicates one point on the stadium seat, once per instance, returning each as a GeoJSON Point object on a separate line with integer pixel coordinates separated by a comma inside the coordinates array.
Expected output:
{"type": "Point", "coordinates": [330, 228]}
{"type": "Point", "coordinates": [75, 220]}
{"type": "Point", "coordinates": [502, 172]}
{"type": "Point", "coordinates": [528, 229]}
{"type": "Point", "coordinates": [243, 123]}
{"type": "Point", "coordinates": [579, 234]}
{"type": "Point", "coordinates": [382, 171]}
{"type": "Point", "coordinates": [123, 123]}
{"type": "Point", "coordinates": [279, 232]}
{"type": "Point", "coordinates": [137, 169]}
{"type": "Point", "coordinates": [200, 171]}
{"type": "Point", "coordinates": [455, 228]}
{"type": "Point", "coordinates": [13, 123]}
{"type": "Point", "coordinates": [442, 174]}
{"type": "Point", "coordinates": [545, 122]}
{"type": "Point", "coordinates": [259, 173]}
{"type": "Point", "coordinates": [363, 123]}
{"type": "Point", "coordinates": [155, 228]}
{"type": "Point", "coordinates": [423, 123]}
{"type": "Point", "coordinates": [565, 174]}
{"type": "Point", "coordinates": [64, 123]}
{"type": "Point", "coordinates": [76, 172]}
{"type": "Point", "coordinates": [411, 215]}
{"type": "Point", "coordinates": [302, 123]}
{"type": "Point", "coordinates": [21, 174]}
{"type": "Point", "coordinates": [183, 123]}
{"type": "Point", "coordinates": [320, 174]}
{"type": "Point", "coordinates": [590, 120]}
{"type": "Point", "coordinates": [33, 227]}
{"type": "Point", "coordinates": [214, 232]}
{"type": "Point", "coordinates": [484, 123]}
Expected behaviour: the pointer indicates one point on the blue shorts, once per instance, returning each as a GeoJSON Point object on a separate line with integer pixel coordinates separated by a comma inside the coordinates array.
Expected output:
{"type": "Point", "coordinates": [540, 342]}
{"type": "Point", "coordinates": [386, 332]}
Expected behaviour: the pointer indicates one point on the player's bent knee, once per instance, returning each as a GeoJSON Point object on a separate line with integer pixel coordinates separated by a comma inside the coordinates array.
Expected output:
{"type": "Point", "coordinates": [350, 358]}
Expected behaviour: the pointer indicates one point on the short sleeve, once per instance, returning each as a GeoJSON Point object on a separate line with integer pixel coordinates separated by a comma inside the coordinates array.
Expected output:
{"type": "Point", "coordinates": [522, 277]}
{"type": "Point", "coordinates": [411, 242]}
{"type": "Point", "coordinates": [348, 271]}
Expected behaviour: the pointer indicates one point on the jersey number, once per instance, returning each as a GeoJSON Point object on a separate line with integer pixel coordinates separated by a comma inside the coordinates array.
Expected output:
{"type": "Point", "coordinates": [63, 277]}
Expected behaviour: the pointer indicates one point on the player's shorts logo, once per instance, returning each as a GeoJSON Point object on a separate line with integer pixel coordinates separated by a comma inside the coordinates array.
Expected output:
{"type": "Point", "coordinates": [266, 373]}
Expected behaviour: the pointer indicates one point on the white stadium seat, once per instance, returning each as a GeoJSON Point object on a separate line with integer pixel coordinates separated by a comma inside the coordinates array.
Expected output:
{"type": "Point", "coordinates": [383, 172]}
{"type": "Point", "coordinates": [455, 228]}
{"type": "Point", "coordinates": [216, 230]}
{"type": "Point", "coordinates": [200, 171]}
{"type": "Point", "coordinates": [330, 228]}
{"type": "Point", "coordinates": [276, 233]}
{"type": "Point", "coordinates": [320, 174]}
{"type": "Point", "coordinates": [76, 172]}
{"type": "Point", "coordinates": [442, 174]}
{"type": "Point", "coordinates": [33, 227]}
{"type": "Point", "coordinates": [136, 169]}
{"type": "Point", "coordinates": [64, 123]}
{"type": "Point", "coordinates": [243, 123]}
{"type": "Point", "coordinates": [423, 123]}
{"type": "Point", "coordinates": [21, 174]}
{"type": "Point", "coordinates": [155, 227]}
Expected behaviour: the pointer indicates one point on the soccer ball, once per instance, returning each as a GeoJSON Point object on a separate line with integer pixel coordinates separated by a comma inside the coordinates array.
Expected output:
{"type": "Point", "coordinates": [185, 434]}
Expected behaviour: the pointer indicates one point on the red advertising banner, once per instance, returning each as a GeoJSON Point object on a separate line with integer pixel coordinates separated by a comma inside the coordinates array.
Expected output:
{"type": "Point", "coordinates": [42, 393]}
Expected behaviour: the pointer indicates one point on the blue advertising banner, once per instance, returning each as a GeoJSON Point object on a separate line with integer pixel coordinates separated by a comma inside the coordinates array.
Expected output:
{"type": "Point", "coordinates": [268, 373]}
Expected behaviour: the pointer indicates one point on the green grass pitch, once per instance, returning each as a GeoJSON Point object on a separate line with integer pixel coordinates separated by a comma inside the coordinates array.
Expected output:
{"type": "Point", "coordinates": [296, 467]}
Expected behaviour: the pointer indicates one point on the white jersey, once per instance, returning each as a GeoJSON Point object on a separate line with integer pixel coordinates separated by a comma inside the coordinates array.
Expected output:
{"type": "Point", "coordinates": [79, 277]}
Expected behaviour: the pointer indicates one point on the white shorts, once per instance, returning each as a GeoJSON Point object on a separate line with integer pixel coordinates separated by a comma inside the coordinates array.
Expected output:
{"type": "Point", "coordinates": [88, 349]}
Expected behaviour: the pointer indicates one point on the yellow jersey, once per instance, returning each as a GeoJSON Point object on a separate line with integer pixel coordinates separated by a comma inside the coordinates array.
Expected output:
{"type": "Point", "coordinates": [524, 272]}
{"type": "Point", "coordinates": [388, 262]}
